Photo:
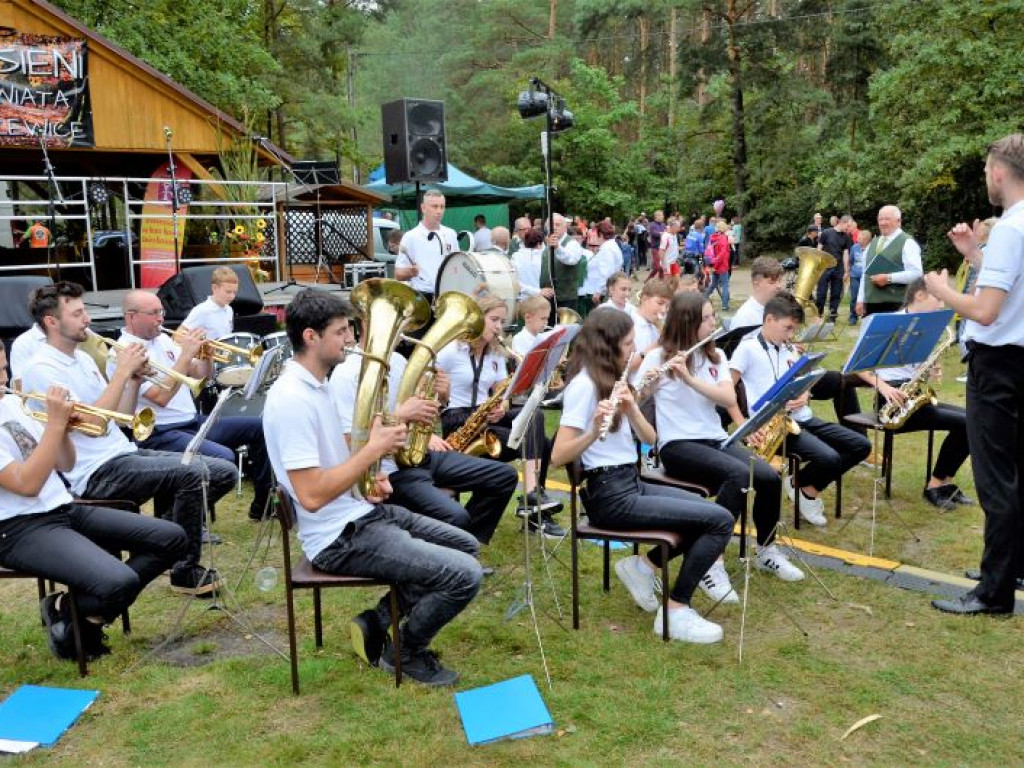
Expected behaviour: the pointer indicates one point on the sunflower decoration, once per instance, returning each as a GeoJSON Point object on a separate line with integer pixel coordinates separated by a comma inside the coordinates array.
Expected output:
{"type": "Point", "coordinates": [250, 238]}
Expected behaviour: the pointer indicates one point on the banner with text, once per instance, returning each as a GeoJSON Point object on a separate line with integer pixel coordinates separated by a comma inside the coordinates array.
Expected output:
{"type": "Point", "coordinates": [158, 233]}
{"type": "Point", "coordinates": [44, 91]}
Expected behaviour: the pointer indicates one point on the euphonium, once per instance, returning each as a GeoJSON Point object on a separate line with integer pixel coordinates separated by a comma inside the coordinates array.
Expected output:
{"type": "Point", "coordinates": [813, 264]}
{"type": "Point", "coordinates": [473, 437]}
{"type": "Point", "coordinates": [916, 390]}
{"type": "Point", "coordinates": [388, 307]}
{"type": "Point", "coordinates": [456, 316]}
{"type": "Point", "coordinates": [141, 423]}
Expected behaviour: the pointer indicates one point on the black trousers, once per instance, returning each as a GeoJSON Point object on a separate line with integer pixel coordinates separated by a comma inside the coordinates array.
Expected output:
{"type": "Point", "coordinates": [831, 282]}
{"type": "Point", "coordinates": [538, 445]}
{"type": "Point", "coordinates": [491, 484]}
{"type": "Point", "coordinates": [616, 498]}
{"type": "Point", "coordinates": [73, 544]}
{"type": "Point", "coordinates": [827, 450]}
{"type": "Point", "coordinates": [843, 394]}
{"type": "Point", "coordinates": [995, 431]}
{"type": "Point", "coordinates": [943, 418]}
{"type": "Point", "coordinates": [705, 463]}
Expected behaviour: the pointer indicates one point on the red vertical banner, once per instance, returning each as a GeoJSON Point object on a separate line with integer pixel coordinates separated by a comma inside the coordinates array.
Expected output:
{"type": "Point", "coordinates": [157, 242]}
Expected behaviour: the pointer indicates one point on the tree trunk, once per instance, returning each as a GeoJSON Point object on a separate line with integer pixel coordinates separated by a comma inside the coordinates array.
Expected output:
{"type": "Point", "coordinates": [552, 18]}
{"type": "Point", "coordinates": [739, 133]}
{"type": "Point", "coordinates": [644, 42]}
{"type": "Point", "coordinates": [672, 57]}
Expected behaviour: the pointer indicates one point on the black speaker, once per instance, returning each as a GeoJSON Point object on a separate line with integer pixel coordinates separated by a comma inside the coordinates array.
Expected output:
{"type": "Point", "coordinates": [15, 292]}
{"type": "Point", "coordinates": [192, 285]}
{"type": "Point", "coordinates": [415, 147]}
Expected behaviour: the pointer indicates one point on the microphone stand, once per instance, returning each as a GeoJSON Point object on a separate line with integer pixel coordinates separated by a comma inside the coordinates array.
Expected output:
{"type": "Point", "coordinates": [168, 133]}
{"type": "Point", "coordinates": [52, 189]}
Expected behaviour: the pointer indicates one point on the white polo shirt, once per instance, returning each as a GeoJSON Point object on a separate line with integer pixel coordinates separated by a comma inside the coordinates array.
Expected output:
{"type": "Point", "coordinates": [629, 309]}
{"type": "Point", "coordinates": [1002, 269]}
{"type": "Point", "coordinates": [523, 342]}
{"type": "Point", "coordinates": [682, 413]}
{"type": "Point", "coordinates": [578, 407]}
{"type": "Point", "coordinates": [417, 247]}
{"type": "Point", "coordinates": [79, 375]}
{"type": "Point", "coordinates": [217, 321]}
{"type": "Point", "coordinates": [343, 383]}
{"type": "Point", "coordinates": [602, 265]}
{"type": "Point", "coordinates": [527, 262]}
{"type": "Point", "coordinates": [24, 348]}
{"type": "Point", "coordinates": [751, 312]}
{"type": "Point", "coordinates": [302, 430]}
{"type": "Point", "coordinates": [760, 364]}
{"type": "Point", "coordinates": [180, 408]}
{"type": "Point", "coordinates": [645, 334]}
{"type": "Point", "coordinates": [455, 360]}
{"type": "Point", "coordinates": [53, 494]}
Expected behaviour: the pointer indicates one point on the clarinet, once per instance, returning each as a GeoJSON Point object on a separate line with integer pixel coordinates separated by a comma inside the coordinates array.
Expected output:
{"type": "Point", "coordinates": [606, 425]}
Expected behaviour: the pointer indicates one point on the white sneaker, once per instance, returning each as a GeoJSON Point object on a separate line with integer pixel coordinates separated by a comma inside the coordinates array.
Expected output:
{"type": "Point", "coordinates": [790, 493]}
{"type": "Point", "coordinates": [639, 580]}
{"type": "Point", "coordinates": [813, 510]}
{"type": "Point", "coordinates": [688, 626]}
{"type": "Point", "coordinates": [715, 584]}
{"type": "Point", "coordinates": [771, 559]}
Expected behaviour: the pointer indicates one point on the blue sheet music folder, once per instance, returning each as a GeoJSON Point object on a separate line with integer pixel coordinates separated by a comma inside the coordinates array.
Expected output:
{"type": "Point", "coordinates": [41, 715]}
{"type": "Point", "coordinates": [512, 709]}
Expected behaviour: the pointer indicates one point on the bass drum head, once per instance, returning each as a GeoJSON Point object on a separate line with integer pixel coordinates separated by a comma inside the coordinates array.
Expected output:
{"type": "Point", "coordinates": [480, 275]}
{"type": "Point", "coordinates": [236, 370]}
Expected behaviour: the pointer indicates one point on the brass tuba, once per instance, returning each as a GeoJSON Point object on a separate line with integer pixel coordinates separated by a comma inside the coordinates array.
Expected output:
{"type": "Point", "coordinates": [813, 264]}
{"type": "Point", "coordinates": [457, 316]}
{"type": "Point", "coordinates": [388, 308]}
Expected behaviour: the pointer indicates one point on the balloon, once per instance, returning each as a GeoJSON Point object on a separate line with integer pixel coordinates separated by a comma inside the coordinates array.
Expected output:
{"type": "Point", "coordinates": [719, 207]}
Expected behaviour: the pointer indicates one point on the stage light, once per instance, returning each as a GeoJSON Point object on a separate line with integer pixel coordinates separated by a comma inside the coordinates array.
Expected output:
{"type": "Point", "coordinates": [561, 118]}
{"type": "Point", "coordinates": [532, 103]}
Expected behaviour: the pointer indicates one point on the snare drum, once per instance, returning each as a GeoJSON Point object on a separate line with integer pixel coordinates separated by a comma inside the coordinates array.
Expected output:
{"type": "Point", "coordinates": [236, 370]}
{"type": "Point", "coordinates": [273, 341]}
{"type": "Point", "coordinates": [480, 275]}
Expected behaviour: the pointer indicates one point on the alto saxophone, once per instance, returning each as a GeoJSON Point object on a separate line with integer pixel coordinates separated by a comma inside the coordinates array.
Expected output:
{"type": "Point", "coordinates": [916, 390]}
{"type": "Point", "coordinates": [473, 437]}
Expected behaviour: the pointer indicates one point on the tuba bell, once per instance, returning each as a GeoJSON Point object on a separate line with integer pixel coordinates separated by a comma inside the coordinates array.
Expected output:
{"type": "Point", "coordinates": [813, 264]}
{"type": "Point", "coordinates": [457, 316]}
{"type": "Point", "coordinates": [388, 308]}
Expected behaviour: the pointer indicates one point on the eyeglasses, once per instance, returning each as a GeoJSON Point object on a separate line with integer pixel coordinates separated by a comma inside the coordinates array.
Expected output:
{"type": "Point", "coordinates": [150, 312]}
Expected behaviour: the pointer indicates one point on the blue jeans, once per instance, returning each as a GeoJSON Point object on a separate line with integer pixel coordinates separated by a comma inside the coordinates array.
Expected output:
{"type": "Point", "coordinates": [617, 498]}
{"type": "Point", "coordinates": [432, 563]}
{"type": "Point", "coordinates": [228, 434]}
{"type": "Point", "coordinates": [721, 282]}
{"type": "Point", "coordinates": [176, 490]}
{"type": "Point", "coordinates": [855, 276]}
{"type": "Point", "coordinates": [72, 545]}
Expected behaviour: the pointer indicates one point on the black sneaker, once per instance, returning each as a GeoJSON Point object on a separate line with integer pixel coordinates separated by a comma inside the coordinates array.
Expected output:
{"type": "Point", "coordinates": [256, 510]}
{"type": "Point", "coordinates": [940, 497]}
{"type": "Point", "coordinates": [959, 497]}
{"type": "Point", "coordinates": [195, 580]}
{"type": "Point", "coordinates": [60, 636]}
{"type": "Point", "coordinates": [368, 637]}
{"type": "Point", "coordinates": [94, 640]}
{"type": "Point", "coordinates": [423, 667]}
{"type": "Point", "coordinates": [211, 538]}
{"type": "Point", "coordinates": [548, 528]}
{"type": "Point", "coordinates": [546, 503]}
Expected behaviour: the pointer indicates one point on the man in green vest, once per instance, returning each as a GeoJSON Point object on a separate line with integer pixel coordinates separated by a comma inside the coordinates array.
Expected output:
{"type": "Point", "coordinates": [562, 271]}
{"type": "Point", "coordinates": [891, 262]}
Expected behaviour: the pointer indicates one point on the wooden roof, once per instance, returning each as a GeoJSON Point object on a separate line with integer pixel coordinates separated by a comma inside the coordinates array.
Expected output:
{"type": "Point", "coordinates": [132, 101]}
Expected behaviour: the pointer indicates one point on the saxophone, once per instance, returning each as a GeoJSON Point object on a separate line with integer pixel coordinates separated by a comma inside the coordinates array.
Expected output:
{"type": "Point", "coordinates": [772, 435]}
{"type": "Point", "coordinates": [457, 316]}
{"type": "Point", "coordinates": [473, 438]}
{"type": "Point", "coordinates": [388, 307]}
{"type": "Point", "coordinates": [916, 391]}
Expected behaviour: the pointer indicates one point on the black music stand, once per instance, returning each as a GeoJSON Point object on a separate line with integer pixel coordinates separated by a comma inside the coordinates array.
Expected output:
{"type": "Point", "coordinates": [781, 393]}
{"type": "Point", "coordinates": [891, 340]}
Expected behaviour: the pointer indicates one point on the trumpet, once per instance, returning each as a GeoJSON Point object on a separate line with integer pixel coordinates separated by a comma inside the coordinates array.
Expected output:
{"type": "Point", "coordinates": [141, 423]}
{"type": "Point", "coordinates": [194, 385]}
{"type": "Point", "coordinates": [219, 351]}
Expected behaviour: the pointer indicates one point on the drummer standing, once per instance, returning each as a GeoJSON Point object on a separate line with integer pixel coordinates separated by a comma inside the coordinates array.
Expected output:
{"type": "Point", "coordinates": [177, 420]}
{"type": "Point", "coordinates": [424, 247]}
{"type": "Point", "coordinates": [215, 316]}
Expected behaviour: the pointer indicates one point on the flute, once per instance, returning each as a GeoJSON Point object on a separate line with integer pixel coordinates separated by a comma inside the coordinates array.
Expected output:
{"type": "Point", "coordinates": [606, 425]}
{"type": "Point", "coordinates": [653, 376]}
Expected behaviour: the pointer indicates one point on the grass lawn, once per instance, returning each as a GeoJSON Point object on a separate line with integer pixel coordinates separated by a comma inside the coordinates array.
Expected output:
{"type": "Point", "coordinates": [945, 687]}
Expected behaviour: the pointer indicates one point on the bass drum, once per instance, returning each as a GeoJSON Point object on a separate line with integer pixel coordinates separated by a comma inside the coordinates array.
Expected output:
{"type": "Point", "coordinates": [480, 275]}
{"type": "Point", "coordinates": [236, 370]}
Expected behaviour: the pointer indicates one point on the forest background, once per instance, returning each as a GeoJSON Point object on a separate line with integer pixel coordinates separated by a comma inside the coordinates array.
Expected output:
{"type": "Point", "coordinates": [779, 107]}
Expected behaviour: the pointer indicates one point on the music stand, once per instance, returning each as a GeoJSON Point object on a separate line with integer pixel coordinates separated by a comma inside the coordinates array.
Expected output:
{"type": "Point", "coordinates": [891, 340]}
{"type": "Point", "coordinates": [779, 394]}
{"type": "Point", "coordinates": [532, 376]}
{"type": "Point", "coordinates": [728, 341]}
{"type": "Point", "coordinates": [824, 330]}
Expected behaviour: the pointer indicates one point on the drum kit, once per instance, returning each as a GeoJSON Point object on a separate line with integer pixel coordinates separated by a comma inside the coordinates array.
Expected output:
{"type": "Point", "coordinates": [236, 369]}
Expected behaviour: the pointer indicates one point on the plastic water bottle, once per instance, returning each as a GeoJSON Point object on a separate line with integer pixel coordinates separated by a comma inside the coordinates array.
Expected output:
{"type": "Point", "coordinates": [266, 578]}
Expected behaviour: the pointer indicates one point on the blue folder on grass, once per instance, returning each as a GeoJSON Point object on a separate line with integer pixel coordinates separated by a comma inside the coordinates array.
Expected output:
{"type": "Point", "coordinates": [512, 709]}
{"type": "Point", "coordinates": [38, 715]}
